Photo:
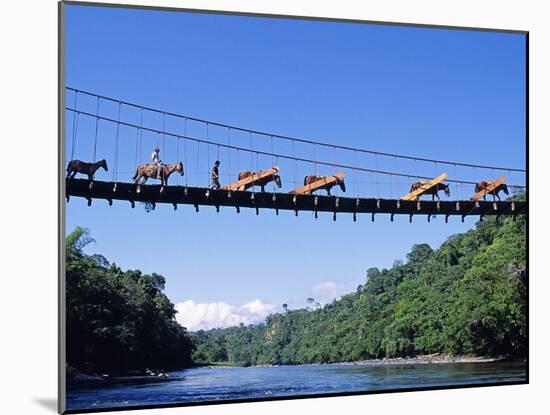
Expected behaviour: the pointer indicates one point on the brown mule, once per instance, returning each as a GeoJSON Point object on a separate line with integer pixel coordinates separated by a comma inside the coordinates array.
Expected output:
{"type": "Point", "coordinates": [312, 179]}
{"type": "Point", "coordinates": [483, 184]}
{"type": "Point", "coordinates": [262, 182]}
{"type": "Point", "coordinates": [432, 190]}
{"type": "Point", "coordinates": [146, 171]}
{"type": "Point", "coordinates": [78, 166]}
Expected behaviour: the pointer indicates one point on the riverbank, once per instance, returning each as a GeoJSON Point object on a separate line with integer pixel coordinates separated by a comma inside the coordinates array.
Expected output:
{"type": "Point", "coordinates": [426, 359]}
{"type": "Point", "coordinates": [417, 360]}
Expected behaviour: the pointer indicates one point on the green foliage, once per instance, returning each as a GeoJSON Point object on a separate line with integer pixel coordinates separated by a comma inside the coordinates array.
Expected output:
{"type": "Point", "coordinates": [467, 297]}
{"type": "Point", "coordinates": [118, 320]}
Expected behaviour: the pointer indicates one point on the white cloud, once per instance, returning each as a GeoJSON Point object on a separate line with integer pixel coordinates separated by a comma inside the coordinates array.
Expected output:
{"type": "Point", "coordinates": [197, 316]}
{"type": "Point", "coordinates": [327, 291]}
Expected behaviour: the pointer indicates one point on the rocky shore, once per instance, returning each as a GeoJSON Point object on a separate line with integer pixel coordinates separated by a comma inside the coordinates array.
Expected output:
{"type": "Point", "coordinates": [426, 359]}
{"type": "Point", "coordinates": [417, 360]}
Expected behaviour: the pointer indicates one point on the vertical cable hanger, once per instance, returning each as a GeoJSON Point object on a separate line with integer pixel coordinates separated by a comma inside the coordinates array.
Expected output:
{"type": "Point", "coordinates": [276, 163]}
{"type": "Point", "coordinates": [115, 171]}
{"type": "Point", "coordinates": [314, 159]}
{"type": "Point", "coordinates": [475, 174]}
{"type": "Point", "coordinates": [458, 187]}
{"type": "Point", "coordinates": [96, 130]}
{"type": "Point", "coordinates": [229, 151]}
{"type": "Point", "coordinates": [137, 143]}
{"type": "Point", "coordinates": [75, 118]}
{"type": "Point", "coordinates": [377, 178]}
{"type": "Point", "coordinates": [294, 164]}
{"type": "Point", "coordinates": [251, 153]}
{"type": "Point", "coordinates": [218, 152]}
{"type": "Point", "coordinates": [208, 165]}
{"type": "Point", "coordinates": [273, 162]}
{"type": "Point", "coordinates": [396, 178]}
{"type": "Point", "coordinates": [75, 129]}
{"type": "Point", "coordinates": [272, 152]}
{"type": "Point", "coordinates": [164, 131]}
{"type": "Point", "coordinates": [178, 156]}
{"type": "Point", "coordinates": [355, 173]}
{"type": "Point", "coordinates": [207, 157]}
{"type": "Point", "coordinates": [140, 133]}
{"type": "Point", "coordinates": [238, 157]}
{"type": "Point", "coordinates": [185, 148]}
{"type": "Point", "coordinates": [198, 157]}
{"type": "Point", "coordinates": [137, 147]}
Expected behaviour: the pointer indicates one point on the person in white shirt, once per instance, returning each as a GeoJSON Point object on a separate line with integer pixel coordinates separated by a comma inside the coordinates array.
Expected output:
{"type": "Point", "coordinates": [155, 158]}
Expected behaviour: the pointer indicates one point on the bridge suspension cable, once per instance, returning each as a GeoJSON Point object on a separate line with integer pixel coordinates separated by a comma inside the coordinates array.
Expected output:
{"type": "Point", "coordinates": [118, 122]}
{"type": "Point", "coordinates": [298, 140]}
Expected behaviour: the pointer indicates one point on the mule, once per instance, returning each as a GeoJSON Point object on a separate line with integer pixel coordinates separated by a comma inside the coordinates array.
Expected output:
{"type": "Point", "coordinates": [262, 182]}
{"type": "Point", "coordinates": [483, 184]}
{"type": "Point", "coordinates": [78, 166]}
{"type": "Point", "coordinates": [327, 187]}
{"type": "Point", "coordinates": [146, 171]}
{"type": "Point", "coordinates": [432, 190]}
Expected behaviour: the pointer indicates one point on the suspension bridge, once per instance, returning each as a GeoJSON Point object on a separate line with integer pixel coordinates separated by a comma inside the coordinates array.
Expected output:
{"type": "Point", "coordinates": [262, 170]}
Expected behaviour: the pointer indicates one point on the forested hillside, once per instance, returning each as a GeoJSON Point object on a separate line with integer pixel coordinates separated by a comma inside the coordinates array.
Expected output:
{"type": "Point", "coordinates": [118, 320]}
{"type": "Point", "coordinates": [467, 297]}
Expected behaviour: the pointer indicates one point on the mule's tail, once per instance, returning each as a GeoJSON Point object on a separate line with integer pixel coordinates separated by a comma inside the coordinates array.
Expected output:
{"type": "Point", "coordinates": [136, 175]}
{"type": "Point", "coordinates": [477, 188]}
{"type": "Point", "coordinates": [69, 167]}
{"type": "Point", "coordinates": [305, 180]}
{"type": "Point", "coordinates": [412, 188]}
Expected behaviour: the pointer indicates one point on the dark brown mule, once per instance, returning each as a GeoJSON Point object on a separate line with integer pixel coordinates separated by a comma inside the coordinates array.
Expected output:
{"type": "Point", "coordinates": [483, 184]}
{"type": "Point", "coordinates": [432, 190]}
{"type": "Point", "coordinates": [146, 171]}
{"type": "Point", "coordinates": [77, 166]}
{"type": "Point", "coordinates": [313, 179]}
{"type": "Point", "coordinates": [262, 182]}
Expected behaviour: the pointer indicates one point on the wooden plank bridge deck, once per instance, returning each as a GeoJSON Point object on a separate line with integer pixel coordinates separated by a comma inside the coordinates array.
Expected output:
{"type": "Point", "coordinates": [198, 196]}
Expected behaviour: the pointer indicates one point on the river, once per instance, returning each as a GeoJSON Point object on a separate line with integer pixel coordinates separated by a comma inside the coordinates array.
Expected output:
{"type": "Point", "coordinates": [234, 383]}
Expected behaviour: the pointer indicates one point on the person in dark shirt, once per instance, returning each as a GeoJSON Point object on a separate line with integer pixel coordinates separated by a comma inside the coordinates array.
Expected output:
{"type": "Point", "coordinates": [215, 176]}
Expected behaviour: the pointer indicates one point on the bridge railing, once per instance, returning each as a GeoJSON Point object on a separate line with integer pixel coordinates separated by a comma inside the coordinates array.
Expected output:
{"type": "Point", "coordinates": [125, 133]}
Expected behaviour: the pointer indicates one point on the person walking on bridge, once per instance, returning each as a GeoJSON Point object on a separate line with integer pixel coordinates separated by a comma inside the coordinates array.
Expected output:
{"type": "Point", "coordinates": [155, 158]}
{"type": "Point", "coordinates": [215, 176]}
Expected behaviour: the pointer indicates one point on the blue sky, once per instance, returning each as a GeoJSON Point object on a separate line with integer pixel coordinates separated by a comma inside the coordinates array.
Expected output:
{"type": "Point", "coordinates": [445, 94]}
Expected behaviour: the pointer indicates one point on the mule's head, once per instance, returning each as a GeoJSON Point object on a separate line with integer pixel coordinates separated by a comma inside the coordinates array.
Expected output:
{"type": "Point", "coordinates": [447, 190]}
{"type": "Point", "coordinates": [505, 188]}
{"type": "Point", "coordinates": [277, 180]}
{"type": "Point", "coordinates": [342, 185]}
{"type": "Point", "coordinates": [179, 168]}
{"type": "Point", "coordinates": [104, 165]}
